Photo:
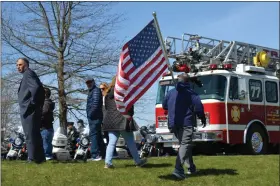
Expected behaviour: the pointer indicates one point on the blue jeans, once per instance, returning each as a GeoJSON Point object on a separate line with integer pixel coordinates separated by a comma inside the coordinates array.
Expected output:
{"type": "Point", "coordinates": [129, 138]}
{"type": "Point", "coordinates": [47, 136]}
{"type": "Point", "coordinates": [97, 143]}
{"type": "Point", "coordinates": [106, 135]}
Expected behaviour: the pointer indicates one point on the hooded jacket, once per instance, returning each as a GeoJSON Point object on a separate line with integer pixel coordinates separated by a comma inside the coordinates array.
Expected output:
{"type": "Point", "coordinates": [182, 104]}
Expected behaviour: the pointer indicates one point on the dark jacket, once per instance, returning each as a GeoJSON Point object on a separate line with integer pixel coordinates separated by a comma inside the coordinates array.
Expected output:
{"type": "Point", "coordinates": [182, 104]}
{"type": "Point", "coordinates": [47, 114]}
{"type": "Point", "coordinates": [114, 120]}
{"type": "Point", "coordinates": [29, 93]}
{"type": "Point", "coordinates": [94, 104]}
{"type": "Point", "coordinates": [30, 99]}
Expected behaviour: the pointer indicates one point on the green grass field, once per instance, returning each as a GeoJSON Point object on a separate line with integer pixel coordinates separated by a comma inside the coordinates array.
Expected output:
{"type": "Point", "coordinates": [212, 170]}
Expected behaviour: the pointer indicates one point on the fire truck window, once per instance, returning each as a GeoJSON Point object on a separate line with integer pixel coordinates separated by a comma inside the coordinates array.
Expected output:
{"type": "Point", "coordinates": [214, 87]}
{"type": "Point", "coordinates": [271, 92]}
{"type": "Point", "coordinates": [233, 89]}
{"type": "Point", "coordinates": [255, 90]}
{"type": "Point", "coordinates": [163, 88]}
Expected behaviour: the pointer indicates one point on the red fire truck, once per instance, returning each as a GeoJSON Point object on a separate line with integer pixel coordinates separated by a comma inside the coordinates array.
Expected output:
{"type": "Point", "coordinates": [240, 92]}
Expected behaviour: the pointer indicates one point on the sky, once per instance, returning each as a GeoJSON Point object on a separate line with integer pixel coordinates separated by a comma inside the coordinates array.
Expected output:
{"type": "Point", "coordinates": [251, 22]}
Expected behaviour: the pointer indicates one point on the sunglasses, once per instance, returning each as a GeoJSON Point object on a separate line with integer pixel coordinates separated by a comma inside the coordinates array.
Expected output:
{"type": "Point", "coordinates": [102, 89]}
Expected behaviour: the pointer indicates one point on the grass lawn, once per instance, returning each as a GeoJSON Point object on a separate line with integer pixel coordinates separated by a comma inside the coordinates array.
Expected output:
{"type": "Point", "coordinates": [212, 171]}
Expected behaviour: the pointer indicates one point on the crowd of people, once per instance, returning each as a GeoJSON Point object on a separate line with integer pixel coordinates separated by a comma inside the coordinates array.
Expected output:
{"type": "Point", "coordinates": [102, 115]}
{"type": "Point", "coordinates": [36, 111]}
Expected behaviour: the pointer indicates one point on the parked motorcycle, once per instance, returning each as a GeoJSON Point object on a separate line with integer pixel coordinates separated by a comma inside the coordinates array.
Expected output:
{"type": "Point", "coordinates": [17, 147]}
{"type": "Point", "coordinates": [148, 143]}
{"type": "Point", "coordinates": [60, 143]}
{"type": "Point", "coordinates": [83, 143]}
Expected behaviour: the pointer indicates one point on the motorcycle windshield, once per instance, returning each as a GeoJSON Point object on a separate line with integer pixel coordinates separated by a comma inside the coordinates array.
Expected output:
{"type": "Point", "coordinates": [85, 132]}
{"type": "Point", "coordinates": [20, 129]}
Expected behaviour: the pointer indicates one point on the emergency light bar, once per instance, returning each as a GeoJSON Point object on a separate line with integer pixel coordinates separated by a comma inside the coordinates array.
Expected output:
{"type": "Point", "coordinates": [223, 66]}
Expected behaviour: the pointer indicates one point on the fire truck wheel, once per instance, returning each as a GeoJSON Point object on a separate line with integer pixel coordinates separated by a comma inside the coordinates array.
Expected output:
{"type": "Point", "coordinates": [256, 142]}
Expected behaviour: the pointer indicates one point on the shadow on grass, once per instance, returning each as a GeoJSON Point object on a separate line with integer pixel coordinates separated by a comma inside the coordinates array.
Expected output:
{"type": "Point", "coordinates": [204, 172]}
{"type": "Point", "coordinates": [68, 162]}
{"type": "Point", "coordinates": [149, 166]}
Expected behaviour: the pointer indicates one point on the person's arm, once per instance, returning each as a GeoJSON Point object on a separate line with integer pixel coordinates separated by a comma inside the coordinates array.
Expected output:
{"type": "Point", "coordinates": [111, 93]}
{"type": "Point", "coordinates": [33, 86]}
{"type": "Point", "coordinates": [131, 111]}
{"type": "Point", "coordinates": [199, 108]}
{"type": "Point", "coordinates": [165, 102]}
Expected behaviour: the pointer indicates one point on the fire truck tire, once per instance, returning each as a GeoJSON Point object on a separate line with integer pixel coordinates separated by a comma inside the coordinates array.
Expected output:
{"type": "Point", "coordinates": [256, 141]}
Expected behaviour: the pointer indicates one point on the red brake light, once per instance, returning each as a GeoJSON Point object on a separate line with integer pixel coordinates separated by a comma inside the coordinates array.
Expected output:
{"type": "Point", "coordinates": [213, 66]}
{"type": "Point", "coordinates": [227, 66]}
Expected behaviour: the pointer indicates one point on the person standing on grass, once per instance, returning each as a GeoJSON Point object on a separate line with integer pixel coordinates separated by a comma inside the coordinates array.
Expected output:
{"type": "Point", "coordinates": [31, 96]}
{"type": "Point", "coordinates": [183, 104]}
{"type": "Point", "coordinates": [95, 117]}
{"type": "Point", "coordinates": [115, 123]}
{"type": "Point", "coordinates": [47, 131]}
{"type": "Point", "coordinates": [104, 88]}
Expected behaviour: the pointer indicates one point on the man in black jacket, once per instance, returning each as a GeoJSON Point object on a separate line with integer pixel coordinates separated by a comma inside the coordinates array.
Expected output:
{"type": "Point", "coordinates": [31, 99]}
{"type": "Point", "coordinates": [95, 117]}
{"type": "Point", "coordinates": [47, 124]}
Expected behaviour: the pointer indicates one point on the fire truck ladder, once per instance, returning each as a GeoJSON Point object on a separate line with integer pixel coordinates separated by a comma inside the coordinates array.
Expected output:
{"type": "Point", "coordinates": [202, 51]}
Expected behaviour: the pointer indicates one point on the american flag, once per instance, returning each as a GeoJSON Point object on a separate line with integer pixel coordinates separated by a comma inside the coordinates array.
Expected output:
{"type": "Point", "coordinates": [141, 63]}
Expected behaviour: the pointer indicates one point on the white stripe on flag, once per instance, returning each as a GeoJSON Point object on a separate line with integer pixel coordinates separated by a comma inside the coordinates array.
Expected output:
{"type": "Point", "coordinates": [145, 64]}
{"type": "Point", "coordinates": [144, 74]}
{"type": "Point", "coordinates": [135, 94]}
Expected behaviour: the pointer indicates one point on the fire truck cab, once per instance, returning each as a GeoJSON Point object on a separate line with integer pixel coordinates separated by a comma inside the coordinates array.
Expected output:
{"type": "Point", "coordinates": [240, 92]}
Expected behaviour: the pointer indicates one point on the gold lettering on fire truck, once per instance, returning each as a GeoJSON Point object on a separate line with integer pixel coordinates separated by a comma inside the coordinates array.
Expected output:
{"type": "Point", "coordinates": [273, 116]}
{"type": "Point", "coordinates": [235, 113]}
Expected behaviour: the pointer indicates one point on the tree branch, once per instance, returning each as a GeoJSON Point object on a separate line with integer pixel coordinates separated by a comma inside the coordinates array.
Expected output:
{"type": "Point", "coordinates": [47, 24]}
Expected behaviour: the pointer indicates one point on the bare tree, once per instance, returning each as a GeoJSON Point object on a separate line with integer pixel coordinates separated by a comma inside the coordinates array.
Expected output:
{"type": "Point", "coordinates": [9, 110]}
{"type": "Point", "coordinates": [64, 41]}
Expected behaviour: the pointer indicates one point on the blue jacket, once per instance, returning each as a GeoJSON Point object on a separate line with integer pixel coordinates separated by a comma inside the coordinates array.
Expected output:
{"type": "Point", "coordinates": [182, 104]}
{"type": "Point", "coordinates": [94, 104]}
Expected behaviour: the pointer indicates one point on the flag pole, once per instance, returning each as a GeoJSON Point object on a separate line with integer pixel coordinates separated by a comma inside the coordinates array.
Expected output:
{"type": "Point", "coordinates": [163, 46]}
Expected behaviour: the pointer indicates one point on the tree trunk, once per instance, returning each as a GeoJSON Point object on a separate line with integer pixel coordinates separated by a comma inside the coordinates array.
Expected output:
{"type": "Point", "coordinates": [61, 92]}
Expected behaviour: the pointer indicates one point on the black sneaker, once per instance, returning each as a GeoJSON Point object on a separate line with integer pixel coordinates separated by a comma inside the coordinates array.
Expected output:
{"type": "Point", "coordinates": [191, 170]}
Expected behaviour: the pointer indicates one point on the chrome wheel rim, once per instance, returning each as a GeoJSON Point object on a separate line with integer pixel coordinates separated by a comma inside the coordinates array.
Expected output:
{"type": "Point", "coordinates": [257, 142]}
